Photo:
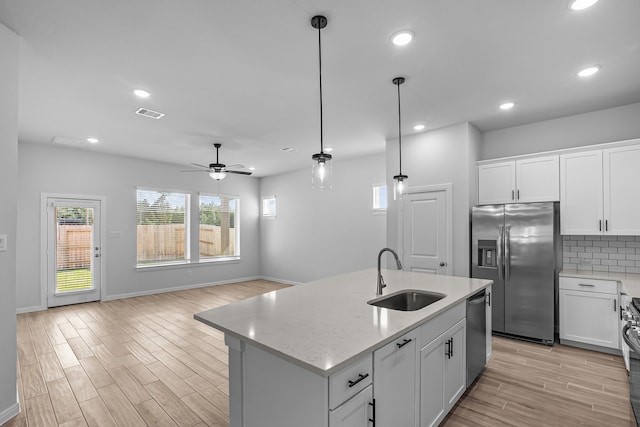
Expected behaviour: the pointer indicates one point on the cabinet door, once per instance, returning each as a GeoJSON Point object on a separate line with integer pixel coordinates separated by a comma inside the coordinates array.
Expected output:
{"type": "Point", "coordinates": [488, 314]}
{"type": "Point", "coordinates": [496, 183]}
{"type": "Point", "coordinates": [621, 196]}
{"type": "Point", "coordinates": [432, 404]}
{"type": "Point", "coordinates": [589, 317]}
{"type": "Point", "coordinates": [455, 367]}
{"type": "Point", "coordinates": [395, 383]}
{"type": "Point", "coordinates": [355, 412]}
{"type": "Point", "coordinates": [538, 179]}
{"type": "Point", "coordinates": [581, 208]}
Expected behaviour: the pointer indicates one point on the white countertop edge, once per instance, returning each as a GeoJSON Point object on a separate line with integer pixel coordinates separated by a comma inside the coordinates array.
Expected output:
{"type": "Point", "coordinates": [431, 311]}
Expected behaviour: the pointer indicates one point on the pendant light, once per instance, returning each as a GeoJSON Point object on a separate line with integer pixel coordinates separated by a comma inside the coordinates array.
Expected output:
{"type": "Point", "coordinates": [321, 171]}
{"type": "Point", "coordinates": [400, 180]}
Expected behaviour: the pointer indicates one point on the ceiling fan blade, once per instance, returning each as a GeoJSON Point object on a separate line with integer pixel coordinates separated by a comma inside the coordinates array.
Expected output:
{"type": "Point", "coordinates": [236, 166]}
{"type": "Point", "coordinates": [238, 172]}
{"type": "Point", "coordinates": [199, 165]}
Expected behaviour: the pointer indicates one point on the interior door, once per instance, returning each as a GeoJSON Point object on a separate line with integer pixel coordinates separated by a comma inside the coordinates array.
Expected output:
{"type": "Point", "coordinates": [73, 251]}
{"type": "Point", "coordinates": [427, 232]}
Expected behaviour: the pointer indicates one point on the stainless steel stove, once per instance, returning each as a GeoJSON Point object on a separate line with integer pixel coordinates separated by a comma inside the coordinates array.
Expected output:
{"type": "Point", "coordinates": [631, 336]}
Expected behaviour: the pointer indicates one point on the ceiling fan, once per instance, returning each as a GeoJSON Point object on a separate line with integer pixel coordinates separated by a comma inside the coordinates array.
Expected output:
{"type": "Point", "coordinates": [219, 170]}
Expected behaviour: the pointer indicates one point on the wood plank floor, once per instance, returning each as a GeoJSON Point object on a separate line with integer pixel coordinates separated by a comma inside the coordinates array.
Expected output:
{"type": "Point", "coordinates": [144, 361]}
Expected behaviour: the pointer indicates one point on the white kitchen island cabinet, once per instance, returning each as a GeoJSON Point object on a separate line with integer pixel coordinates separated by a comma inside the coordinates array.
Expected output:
{"type": "Point", "coordinates": [319, 355]}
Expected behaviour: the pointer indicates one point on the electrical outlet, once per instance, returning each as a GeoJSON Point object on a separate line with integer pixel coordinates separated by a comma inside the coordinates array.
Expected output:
{"type": "Point", "coordinates": [3, 242]}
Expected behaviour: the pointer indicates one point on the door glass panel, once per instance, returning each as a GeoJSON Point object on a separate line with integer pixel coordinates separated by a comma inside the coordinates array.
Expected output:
{"type": "Point", "coordinates": [74, 249]}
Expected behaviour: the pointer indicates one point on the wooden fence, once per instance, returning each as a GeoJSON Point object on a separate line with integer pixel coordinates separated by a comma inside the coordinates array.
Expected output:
{"type": "Point", "coordinates": [155, 243]}
{"type": "Point", "coordinates": [73, 249]}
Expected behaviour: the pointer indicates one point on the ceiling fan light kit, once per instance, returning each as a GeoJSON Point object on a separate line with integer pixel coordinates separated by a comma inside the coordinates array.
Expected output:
{"type": "Point", "coordinates": [217, 170]}
{"type": "Point", "coordinates": [400, 180]}
{"type": "Point", "coordinates": [321, 172]}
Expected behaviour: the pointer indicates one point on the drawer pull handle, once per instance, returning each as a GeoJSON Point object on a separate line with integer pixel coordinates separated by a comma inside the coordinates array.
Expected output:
{"type": "Point", "coordinates": [403, 343]}
{"type": "Point", "coordinates": [356, 381]}
{"type": "Point", "coordinates": [586, 285]}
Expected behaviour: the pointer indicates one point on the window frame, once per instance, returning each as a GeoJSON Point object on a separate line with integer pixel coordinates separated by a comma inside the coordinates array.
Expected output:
{"type": "Point", "coordinates": [236, 227]}
{"type": "Point", "coordinates": [377, 192]}
{"type": "Point", "coordinates": [187, 229]}
{"type": "Point", "coordinates": [275, 207]}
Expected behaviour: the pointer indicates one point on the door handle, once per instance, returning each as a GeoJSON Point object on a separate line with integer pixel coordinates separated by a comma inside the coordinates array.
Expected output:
{"type": "Point", "coordinates": [507, 252]}
{"type": "Point", "coordinates": [500, 248]}
{"type": "Point", "coordinates": [442, 264]}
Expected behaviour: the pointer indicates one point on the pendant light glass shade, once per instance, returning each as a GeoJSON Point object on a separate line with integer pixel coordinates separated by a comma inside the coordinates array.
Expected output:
{"type": "Point", "coordinates": [400, 180]}
{"type": "Point", "coordinates": [322, 171]}
{"type": "Point", "coordinates": [217, 175]}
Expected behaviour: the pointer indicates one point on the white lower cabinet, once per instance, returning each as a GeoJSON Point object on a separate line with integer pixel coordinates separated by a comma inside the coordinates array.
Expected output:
{"type": "Point", "coordinates": [355, 412]}
{"type": "Point", "coordinates": [412, 381]}
{"type": "Point", "coordinates": [395, 382]}
{"type": "Point", "coordinates": [442, 374]}
{"type": "Point", "coordinates": [589, 312]}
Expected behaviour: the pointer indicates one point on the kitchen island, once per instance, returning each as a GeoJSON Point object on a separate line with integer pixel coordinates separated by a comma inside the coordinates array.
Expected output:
{"type": "Point", "coordinates": [319, 355]}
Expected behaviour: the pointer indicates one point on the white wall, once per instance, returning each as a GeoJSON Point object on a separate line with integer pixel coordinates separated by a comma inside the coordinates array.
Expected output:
{"type": "Point", "coordinates": [612, 124]}
{"type": "Point", "coordinates": [441, 156]}
{"type": "Point", "coordinates": [9, 49]}
{"type": "Point", "coordinates": [56, 169]}
{"type": "Point", "coordinates": [322, 233]}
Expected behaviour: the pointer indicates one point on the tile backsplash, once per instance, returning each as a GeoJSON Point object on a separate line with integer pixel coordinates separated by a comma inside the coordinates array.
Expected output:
{"type": "Point", "coordinates": [601, 253]}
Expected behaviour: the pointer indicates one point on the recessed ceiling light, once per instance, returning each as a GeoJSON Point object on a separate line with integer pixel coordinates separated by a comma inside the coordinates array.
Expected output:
{"type": "Point", "coordinates": [92, 140]}
{"type": "Point", "coordinates": [251, 168]}
{"type": "Point", "coordinates": [581, 4]}
{"type": "Point", "coordinates": [418, 127]}
{"type": "Point", "coordinates": [402, 37]}
{"type": "Point", "coordinates": [589, 71]}
{"type": "Point", "coordinates": [507, 105]}
{"type": "Point", "coordinates": [141, 93]}
{"type": "Point", "coordinates": [328, 149]}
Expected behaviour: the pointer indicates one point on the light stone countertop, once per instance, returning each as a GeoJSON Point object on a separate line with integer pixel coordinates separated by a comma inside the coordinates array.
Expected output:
{"type": "Point", "coordinates": [630, 281]}
{"type": "Point", "coordinates": [326, 324]}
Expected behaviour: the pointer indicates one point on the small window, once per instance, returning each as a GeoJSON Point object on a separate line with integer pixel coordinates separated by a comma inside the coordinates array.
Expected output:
{"type": "Point", "coordinates": [269, 206]}
{"type": "Point", "coordinates": [380, 197]}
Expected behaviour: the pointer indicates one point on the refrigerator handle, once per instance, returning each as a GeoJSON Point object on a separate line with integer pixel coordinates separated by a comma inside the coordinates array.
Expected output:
{"type": "Point", "coordinates": [507, 252]}
{"type": "Point", "coordinates": [499, 255]}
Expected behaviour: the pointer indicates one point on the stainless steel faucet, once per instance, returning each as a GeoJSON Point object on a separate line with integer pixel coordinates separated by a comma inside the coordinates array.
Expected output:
{"type": "Point", "coordinates": [381, 283]}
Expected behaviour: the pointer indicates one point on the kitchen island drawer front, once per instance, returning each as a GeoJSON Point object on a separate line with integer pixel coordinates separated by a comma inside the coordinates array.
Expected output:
{"type": "Point", "coordinates": [438, 325]}
{"type": "Point", "coordinates": [349, 381]}
{"type": "Point", "coordinates": [589, 285]}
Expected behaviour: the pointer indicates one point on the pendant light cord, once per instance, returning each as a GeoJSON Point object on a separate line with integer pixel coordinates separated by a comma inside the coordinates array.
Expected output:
{"type": "Point", "coordinates": [320, 72]}
{"type": "Point", "coordinates": [399, 129]}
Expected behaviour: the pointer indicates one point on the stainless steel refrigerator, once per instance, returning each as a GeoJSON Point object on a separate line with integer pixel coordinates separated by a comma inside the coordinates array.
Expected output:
{"type": "Point", "coordinates": [518, 246]}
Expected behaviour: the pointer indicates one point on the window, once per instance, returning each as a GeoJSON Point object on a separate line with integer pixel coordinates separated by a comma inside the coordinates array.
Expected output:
{"type": "Point", "coordinates": [219, 228]}
{"type": "Point", "coordinates": [269, 206]}
{"type": "Point", "coordinates": [162, 226]}
{"type": "Point", "coordinates": [380, 197]}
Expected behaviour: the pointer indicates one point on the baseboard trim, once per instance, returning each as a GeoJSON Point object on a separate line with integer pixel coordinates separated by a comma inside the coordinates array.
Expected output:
{"type": "Point", "coordinates": [178, 288]}
{"type": "Point", "coordinates": [9, 413]}
{"type": "Point", "coordinates": [31, 309]}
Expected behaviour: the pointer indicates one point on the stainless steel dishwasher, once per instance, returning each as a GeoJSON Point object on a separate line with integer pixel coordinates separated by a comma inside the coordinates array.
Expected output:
{"type": "Point", "coordinates": [476, 335]}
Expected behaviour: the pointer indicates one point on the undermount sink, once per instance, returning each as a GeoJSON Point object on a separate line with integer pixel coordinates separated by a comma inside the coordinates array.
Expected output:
{"type": "Point", "coordinates": [409, 300]}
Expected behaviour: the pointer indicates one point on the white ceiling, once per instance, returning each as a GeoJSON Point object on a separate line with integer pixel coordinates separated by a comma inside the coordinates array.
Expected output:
{"type": "Point", "coordinates": [245, 72]}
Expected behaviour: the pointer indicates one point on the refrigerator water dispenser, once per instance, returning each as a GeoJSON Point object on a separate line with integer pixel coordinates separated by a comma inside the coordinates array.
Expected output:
{"type": "Point", "coordinates": [487, 253]}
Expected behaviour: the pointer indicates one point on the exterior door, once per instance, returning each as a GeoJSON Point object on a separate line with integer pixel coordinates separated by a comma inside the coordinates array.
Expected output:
{"type": "Point", "coordinates": [73, 251]}
{"type": "Point", "coordinates": [426, 239]}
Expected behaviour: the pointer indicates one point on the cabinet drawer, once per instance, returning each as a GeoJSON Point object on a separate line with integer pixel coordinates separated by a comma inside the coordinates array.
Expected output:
{"type": "Point", "coordinates": [349, 381]}
{"type": "Point", "coordinates": [436, 327]}
{"type": "Point", "coordinates": [589, 285]}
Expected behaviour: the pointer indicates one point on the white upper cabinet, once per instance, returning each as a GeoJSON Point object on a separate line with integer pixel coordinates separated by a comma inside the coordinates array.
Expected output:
{"type": "Point", "coordinates": [519, 181]}
{"type": "Point", "coordinates": [621, 168]}
{"type": "Point", "coordinates": [496, 183]}
{"type": "Point", "coordinates": [598, 192]}
{"type": "Point", "coordinates": [581, 193]}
